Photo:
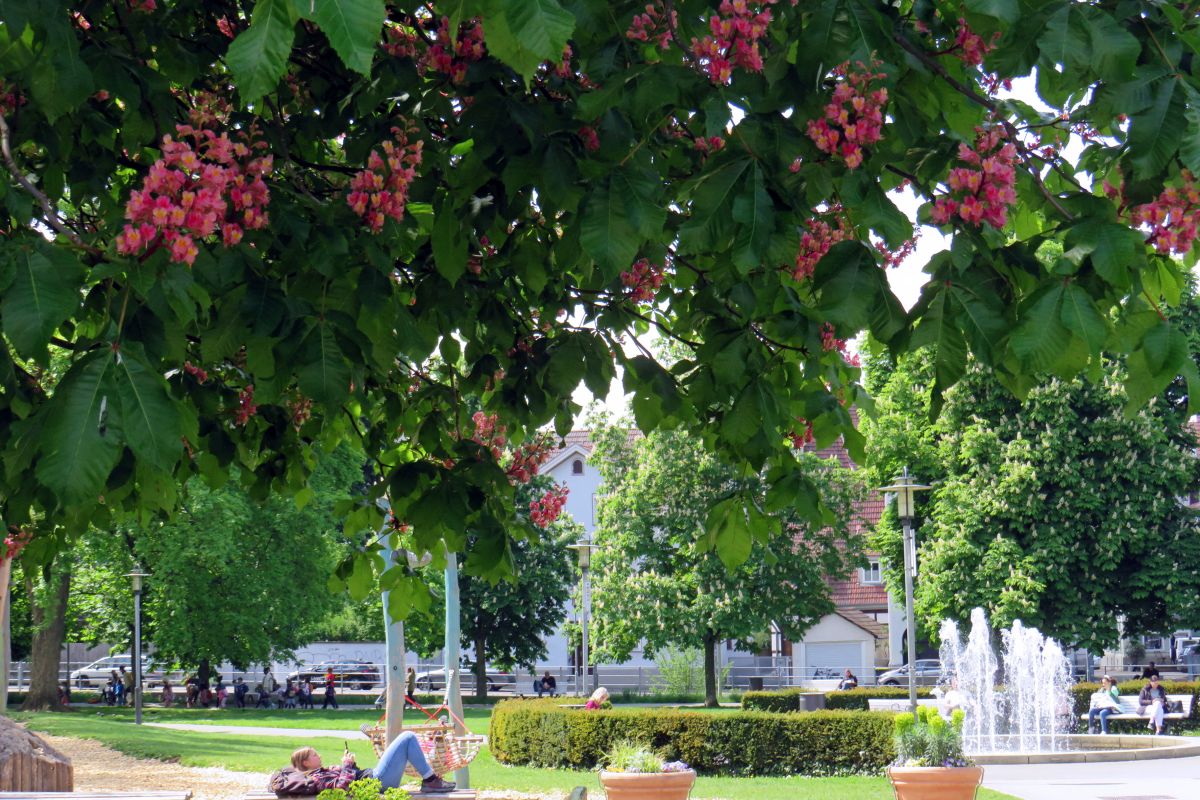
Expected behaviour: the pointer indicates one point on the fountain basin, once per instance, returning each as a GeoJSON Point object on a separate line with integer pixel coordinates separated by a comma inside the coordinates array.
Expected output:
{"type": "Point", "coordinates": [1089, 748]}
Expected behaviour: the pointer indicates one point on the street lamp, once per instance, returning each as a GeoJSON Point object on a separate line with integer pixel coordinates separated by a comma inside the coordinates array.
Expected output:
{"type": "Point", "coordinates": [905, 487]}
{"type": "Point", "coordinates": [136, 576]}
{"type": "Point", "coordinates": [583, 549]}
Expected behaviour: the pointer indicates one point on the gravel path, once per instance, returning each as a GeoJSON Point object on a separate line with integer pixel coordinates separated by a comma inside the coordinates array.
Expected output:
{"type": "Point", "coordinates": [100, 768]}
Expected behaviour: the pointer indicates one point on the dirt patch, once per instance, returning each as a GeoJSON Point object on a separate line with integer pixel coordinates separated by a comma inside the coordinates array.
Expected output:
{"type": "Point", "coordinates": [100, 768]}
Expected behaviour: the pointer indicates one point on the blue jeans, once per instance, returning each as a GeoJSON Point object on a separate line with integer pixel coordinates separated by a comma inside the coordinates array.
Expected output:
{"type": "Point", "coordinates": [403, 750]}
{"type": "Point", "coordinates": [1104, 714]}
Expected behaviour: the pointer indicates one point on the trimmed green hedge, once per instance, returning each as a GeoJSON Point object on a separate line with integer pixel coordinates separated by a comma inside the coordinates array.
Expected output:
{"type": "Point", "coordinates": [543, 734]}
{"type": "Point", "coordinates": [852, 700]}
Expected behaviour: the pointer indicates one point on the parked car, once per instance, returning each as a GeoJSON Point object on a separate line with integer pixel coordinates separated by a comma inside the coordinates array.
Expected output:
{"type": "Point", "coordinates": [435, 680]}
{"type": "Point", "coordinates": [359, 674]}
{"type": "Point", "coordinates": [98, 672]}
{"type": "Point", "coordinates": [928, 673]}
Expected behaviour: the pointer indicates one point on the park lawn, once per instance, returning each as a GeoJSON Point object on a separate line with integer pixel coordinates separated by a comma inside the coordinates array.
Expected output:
{"type": "Point", "coordinates": [264, 754]}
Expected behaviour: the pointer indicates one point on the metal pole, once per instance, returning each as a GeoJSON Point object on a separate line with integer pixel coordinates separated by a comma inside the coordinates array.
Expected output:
{"type": "Point", "coordinates": [587, 609]}
{"type": "Point", "coordinates": [909, 558]}
{"type": "Point", "coordinates": [137, 655]}
{"type": "Point", "coordinates": [395, 673]}
{"type": "Point", "coordinates": [462, 777]}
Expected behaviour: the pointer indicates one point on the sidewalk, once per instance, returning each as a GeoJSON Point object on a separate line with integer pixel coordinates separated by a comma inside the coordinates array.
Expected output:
{"type": "Point", "coordinates": [245, 730]}
{"type": "Point", "coordinates": [1160, 779]}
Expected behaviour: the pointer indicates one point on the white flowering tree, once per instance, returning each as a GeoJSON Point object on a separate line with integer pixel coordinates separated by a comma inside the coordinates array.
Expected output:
{"type": "Point", "coordinates": [1060, 511]}
{"type": "Point", "coordinates": [660, 580]}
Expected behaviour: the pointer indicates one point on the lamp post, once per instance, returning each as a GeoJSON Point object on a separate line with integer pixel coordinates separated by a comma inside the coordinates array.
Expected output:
{"type": "Point", "coordinates": [136, 576]}
{"type": "Point", "coordinates": [905, 487]}
{"type": "Point", "coordinates": [583, 549]}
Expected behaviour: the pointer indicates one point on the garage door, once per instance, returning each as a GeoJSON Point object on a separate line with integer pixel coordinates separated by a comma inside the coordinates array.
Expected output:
{"type": "Point", "coordinates": [834, 655]}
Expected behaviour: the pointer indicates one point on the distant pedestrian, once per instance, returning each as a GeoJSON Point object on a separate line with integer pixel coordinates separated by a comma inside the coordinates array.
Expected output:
{"type": "Point", "coordinates": [239, 692]}
{"type": "Point", "coordinates": [268, 682]}
{"type": "Point", "coordinates": [222, 692]}
{"type": "Point", "coordinates": [330, 691]}
{"type": "Point", "coordinates": [305, 694]}
{"type": "Point", "coordinates": [127, 679]}
{"type": "Point", "coordinates": [410, 689]}
{"type": "Point", "coordinates": [168, 693]}
{"type": "Point", "coordinates": [64, 694]}
{"type": "Point", "coordinates": [289, 694]}
{"type": "Point", "coordinates": [118, 689]}
{"type": "Point", "coordinates": [1149, 671]}
{"type": "Point", "coordinates": [264, 698]}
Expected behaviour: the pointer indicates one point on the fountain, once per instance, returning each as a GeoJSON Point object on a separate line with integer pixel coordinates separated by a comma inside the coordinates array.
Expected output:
{"type": "Point", "coordinates": [1018, 706]}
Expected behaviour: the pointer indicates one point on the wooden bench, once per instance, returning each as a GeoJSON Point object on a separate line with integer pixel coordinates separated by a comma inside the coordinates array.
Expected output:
{"type": "Point", "coordinates": [1130, 708]}
{"type": "Point", "coordinates": [187, 795]}
{"type": "Point", "coordinates": [466, 794]}
{"type": "Point", "coordinates": [898, 703]}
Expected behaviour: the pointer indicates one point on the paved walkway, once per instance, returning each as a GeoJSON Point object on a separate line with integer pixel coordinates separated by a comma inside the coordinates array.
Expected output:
{"type": "Point", "coordinates": [1161, 779]}
{"type": "Point", "coordinates": [252, 730]}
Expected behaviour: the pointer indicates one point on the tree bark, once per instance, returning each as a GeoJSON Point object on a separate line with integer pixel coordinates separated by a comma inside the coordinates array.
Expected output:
{"type": "Point", "coordinates": [205, 670]}
{"type": "Point", "coordinates": [49, 629]}
{"type": "Point", "coordinates": [710, 669]}
{"type": "Point", "coordinates": [480, 665]}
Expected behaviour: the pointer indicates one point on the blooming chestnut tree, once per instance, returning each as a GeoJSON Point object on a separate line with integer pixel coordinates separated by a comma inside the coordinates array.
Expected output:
{"type": "Point", "coordinates": [252, 229]}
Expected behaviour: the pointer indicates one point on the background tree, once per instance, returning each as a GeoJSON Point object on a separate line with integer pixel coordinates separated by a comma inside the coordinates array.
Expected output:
{"type": "Point", "coordinates": [1061, 510]}
{"type": "Point", "coordinates": [527, 188]}
{"type": "Point", "coordinates": [659, 580]}
{"type": "Point", "coordinates": [505, 623]}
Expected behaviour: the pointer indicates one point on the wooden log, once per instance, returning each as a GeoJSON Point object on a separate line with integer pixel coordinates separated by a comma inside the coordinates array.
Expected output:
{"type": "Point", "coordinates": [28, 764]}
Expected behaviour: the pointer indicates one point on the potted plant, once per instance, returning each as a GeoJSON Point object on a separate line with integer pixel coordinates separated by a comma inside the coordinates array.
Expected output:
{"type": "Point", "coordinates": [930, 764]}
{"type": "Point", "coordinates": [634, 772]}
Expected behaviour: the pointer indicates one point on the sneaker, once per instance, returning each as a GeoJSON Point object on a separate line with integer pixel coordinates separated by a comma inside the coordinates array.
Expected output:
{"type": "Point", "coordinates": [435, 785]}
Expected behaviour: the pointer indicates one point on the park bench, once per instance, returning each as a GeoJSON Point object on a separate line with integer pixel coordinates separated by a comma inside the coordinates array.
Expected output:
{"type": "Point", "coordinates": [898, 703]}
{"type": "Point", "coordinates": [1130, 707]}
{"type": "Point", "coordinates": [96, 795]}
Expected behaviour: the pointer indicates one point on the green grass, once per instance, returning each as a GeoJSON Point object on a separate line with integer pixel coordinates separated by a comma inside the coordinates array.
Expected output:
{"type": "Point", "coordinates": [264, 754]}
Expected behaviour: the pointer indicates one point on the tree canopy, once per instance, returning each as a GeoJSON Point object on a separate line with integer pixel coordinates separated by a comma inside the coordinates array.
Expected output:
{"type": "Point", "coordinates": [657, 585]}
{"type": "Point", "coordinates": [1060, 511]}
{"type": "Point", "coordinates": [248, 228]}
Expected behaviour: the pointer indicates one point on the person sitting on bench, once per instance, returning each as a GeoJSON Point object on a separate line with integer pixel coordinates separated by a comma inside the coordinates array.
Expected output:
{"type": "Point", "coordinates": [306, 776]}
{"type": "Point", "coordinates": [547, 685]}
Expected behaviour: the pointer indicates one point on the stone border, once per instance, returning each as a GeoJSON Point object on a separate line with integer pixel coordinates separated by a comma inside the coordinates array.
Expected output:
{"type": "Point", "coordinates": [1116, 748]}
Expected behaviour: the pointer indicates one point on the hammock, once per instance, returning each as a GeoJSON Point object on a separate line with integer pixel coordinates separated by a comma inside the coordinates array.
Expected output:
{"type": "Point", "coordinates": [445, 750]}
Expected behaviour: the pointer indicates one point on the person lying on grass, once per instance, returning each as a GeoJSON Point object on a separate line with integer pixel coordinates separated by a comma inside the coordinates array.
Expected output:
{"type": "Point", "coordinates": [306, 775]}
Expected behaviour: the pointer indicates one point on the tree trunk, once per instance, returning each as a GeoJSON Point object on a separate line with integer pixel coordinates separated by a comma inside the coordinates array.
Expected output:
{"type": "Point", "coordinates": [710, 669]}
{"type": "Point", "coordinates": [49, 629]}
{"type": "Point", "coordinates": [481, 685]}
{"type": "Point", "coordinates": [205, 669]}
{"type": "Point", "coordinates": [28, 764]}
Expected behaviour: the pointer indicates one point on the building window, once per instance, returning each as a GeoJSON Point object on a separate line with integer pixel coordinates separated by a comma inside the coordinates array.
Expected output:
{"type": "Point", "coordinates": [577, 467]}
{"type": "Point", "coordinates": [871, 574]}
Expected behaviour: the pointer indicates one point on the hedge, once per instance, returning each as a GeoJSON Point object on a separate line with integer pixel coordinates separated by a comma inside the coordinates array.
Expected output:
{"type": "Point", "coordinates": [544, 734]}
{"type": "Point", "coordinates": [852, 700]}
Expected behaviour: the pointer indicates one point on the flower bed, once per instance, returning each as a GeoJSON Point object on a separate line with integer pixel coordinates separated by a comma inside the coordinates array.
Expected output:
{"type": "Point", "coordinates": [543, 734]}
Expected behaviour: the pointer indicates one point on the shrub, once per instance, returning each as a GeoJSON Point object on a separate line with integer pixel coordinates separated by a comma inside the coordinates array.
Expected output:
{"type": "Point", "coordinates": [931, 741]}
{"type": "Point", "coordinates": [852, 700]}
{"type": "Point", "coordinates": [544, 734]}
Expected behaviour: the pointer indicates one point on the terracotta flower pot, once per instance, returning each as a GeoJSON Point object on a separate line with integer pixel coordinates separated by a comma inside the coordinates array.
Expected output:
{"type": "Point", "coordinates": [648, 785]}
{"type": "Point", "coordinates": [935, 783]}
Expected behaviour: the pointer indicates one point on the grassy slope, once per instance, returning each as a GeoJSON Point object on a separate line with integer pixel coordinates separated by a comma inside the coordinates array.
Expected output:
{"type": "Point", "coordinates": [265, 754]}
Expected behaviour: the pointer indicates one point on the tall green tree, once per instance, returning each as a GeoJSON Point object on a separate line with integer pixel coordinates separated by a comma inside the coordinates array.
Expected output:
{"type": "Point", "coordinates": [1061, 510]}
{"type": "Point", "coordinates": [661, 581]}
{"type": "Point", "coordinates": [506, 622]}
{"type": "Point", "coordinates": [525, 188]}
